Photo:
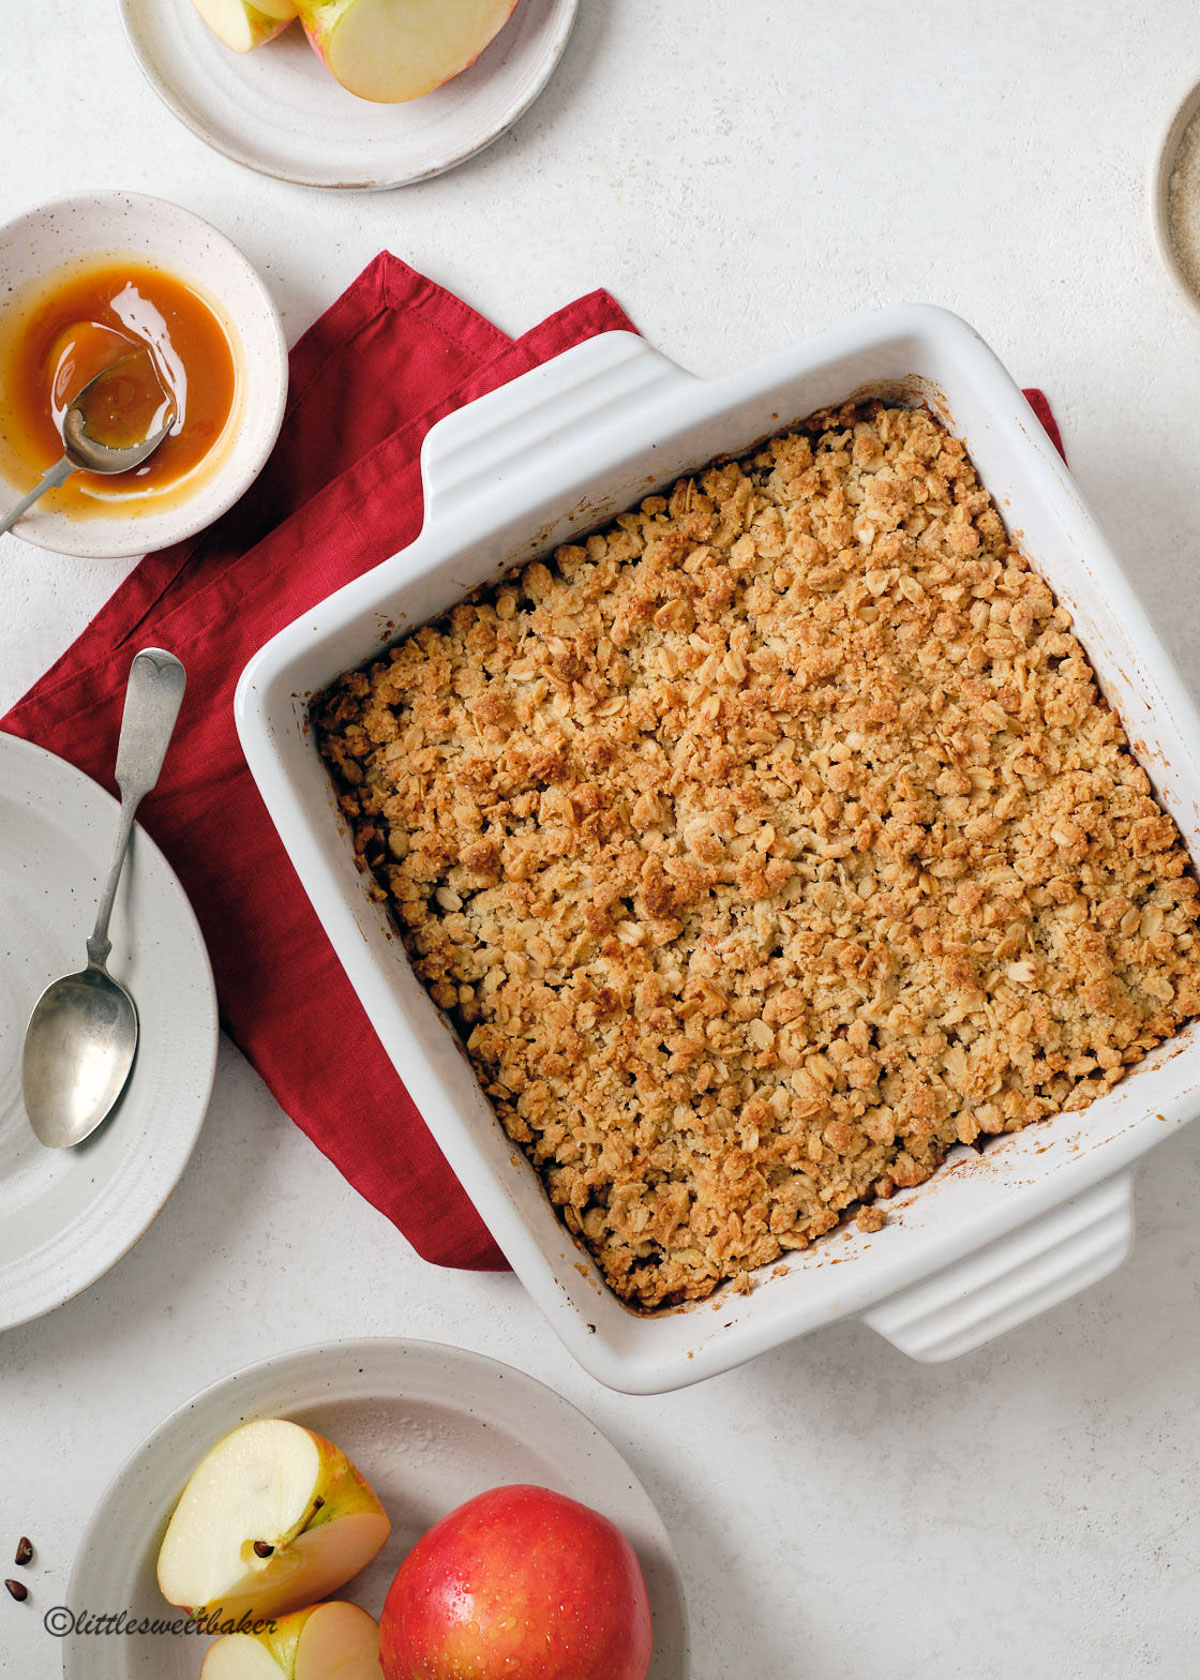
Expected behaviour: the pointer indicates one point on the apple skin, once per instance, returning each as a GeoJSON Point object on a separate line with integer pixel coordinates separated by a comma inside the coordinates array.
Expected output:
{"type": "Point", "coordinates": [279, 1640]}
{"type": "Point", "coordinates": [518, 1584]}
{"type": "Point", "coordinates": [394, 51]}
{"type": "Point", "coordinates": [331, 1641]}
{"type": "Point", "coordinates": [333, 1525]}
{"type": "Point", "coordinates": [244, 25]}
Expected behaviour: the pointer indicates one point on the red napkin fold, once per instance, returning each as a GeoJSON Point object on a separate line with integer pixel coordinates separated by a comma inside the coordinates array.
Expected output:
{"type": "Point", "coordinates": [340, 493]}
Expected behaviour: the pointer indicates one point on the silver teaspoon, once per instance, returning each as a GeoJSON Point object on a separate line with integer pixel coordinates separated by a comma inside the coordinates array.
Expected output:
{"type": "Point", "coordinates": [82, 1036]}
{"type": "Point", "coordinates": [83, 452]}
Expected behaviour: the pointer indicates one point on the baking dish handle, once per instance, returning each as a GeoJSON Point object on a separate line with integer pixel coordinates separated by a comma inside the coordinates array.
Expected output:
{"type": "Point", "coordinates": [1013, 1279]}
{"type": "Point", "coordinates": [542, 425]}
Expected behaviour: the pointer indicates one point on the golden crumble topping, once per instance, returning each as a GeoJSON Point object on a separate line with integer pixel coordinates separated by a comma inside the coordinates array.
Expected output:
{"type": "Point", "coordinates": [765, 846]}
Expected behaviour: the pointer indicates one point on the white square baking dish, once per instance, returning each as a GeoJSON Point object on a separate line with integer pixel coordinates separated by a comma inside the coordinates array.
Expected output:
{"type": "Point", "coordinates": [992, 1238]}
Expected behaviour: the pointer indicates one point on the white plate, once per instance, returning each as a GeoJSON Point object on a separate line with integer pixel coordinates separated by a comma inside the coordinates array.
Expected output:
{"type": "Point", "coordinates": [429, 1426]}
{"type": "Point", "coordinates": [279, 111]}
{"type": "Point", "coordinates": [67, 1215]}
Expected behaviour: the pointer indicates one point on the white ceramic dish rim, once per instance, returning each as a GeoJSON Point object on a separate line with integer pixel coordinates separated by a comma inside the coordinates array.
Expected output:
{"type": "Point", "coordinates": [158, 1145]}
{"type": "Point", "coordinates": [1160, 194]}
{"type": "Point", "coordinates": [990, 1240]}
{"type": "Point", "coordinates": [301, 1382]}
{"type": "Point", "coordinates": [261, 354]}
{"type": "Point", "coordinates": [545, 58]}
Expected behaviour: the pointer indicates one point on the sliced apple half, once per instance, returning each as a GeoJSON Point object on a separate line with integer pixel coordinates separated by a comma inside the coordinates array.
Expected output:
{"type": "Point", "coordinates": [334, 1641]}
{"type": "Point", "coordinates": [242, 25]}
{"type": "Point", "coordinates": [275, 1518]}
{"type": "Point", "coordinates": [394, 50]}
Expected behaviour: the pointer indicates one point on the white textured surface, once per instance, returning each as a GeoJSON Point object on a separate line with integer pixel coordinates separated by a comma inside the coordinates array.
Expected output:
{"type": "Point", "coordinates": [737, 180]}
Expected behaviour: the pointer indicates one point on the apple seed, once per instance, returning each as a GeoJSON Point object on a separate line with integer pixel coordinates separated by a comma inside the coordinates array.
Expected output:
{"type": "Point", "coordinates": [18, 1590]}
{"type": "Point", "coordinates": [24, 1552]}
{"type": "Point", "coordinates": [262, 1549]}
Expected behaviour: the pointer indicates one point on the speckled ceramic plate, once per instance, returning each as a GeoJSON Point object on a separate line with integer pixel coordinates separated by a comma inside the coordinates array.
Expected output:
{"type": "Point", "coordinates": [278, 110]}
{"type": "Point", "coordinates": [65, 236]}
{"type": "Point", "coordinates": [67, 1215]}
{"type": "Point", "coordinates": [1160, 196]}
{"type": "Point", "coordinates": [429, 1426]}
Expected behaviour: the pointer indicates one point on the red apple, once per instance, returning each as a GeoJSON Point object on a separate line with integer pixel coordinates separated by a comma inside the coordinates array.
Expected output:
{"type": "Point", "coordinates": [518, 1584]}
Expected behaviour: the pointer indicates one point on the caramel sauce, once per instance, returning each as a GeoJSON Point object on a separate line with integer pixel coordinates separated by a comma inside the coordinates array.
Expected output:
{"type": "Point", "coordinates": [123, 404]}
{"type": "Point", "coordinates": [176, 355]}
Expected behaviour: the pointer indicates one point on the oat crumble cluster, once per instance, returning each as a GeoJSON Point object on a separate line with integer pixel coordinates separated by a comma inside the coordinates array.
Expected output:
{"type": "Point", "coordinates": [765, 846]}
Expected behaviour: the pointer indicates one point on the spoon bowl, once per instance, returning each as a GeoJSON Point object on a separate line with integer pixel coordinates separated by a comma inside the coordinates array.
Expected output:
{"type": "Point", "coordinates": [95, 1016]}
{"type": "Point", "coordinates": [86, 419]}
{"type": "Point", "coordinates": [83, 451]}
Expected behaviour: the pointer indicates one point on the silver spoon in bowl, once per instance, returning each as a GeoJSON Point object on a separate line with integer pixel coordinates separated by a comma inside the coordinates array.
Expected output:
{"type": "Point", "coordinates": [82, 1037]}
{"type": "Point", "coordinates": [82, 451]}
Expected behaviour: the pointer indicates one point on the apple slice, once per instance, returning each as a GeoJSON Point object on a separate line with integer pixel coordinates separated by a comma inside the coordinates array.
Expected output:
{"type": "Point", "coordinates": [273, 1519]}
{"type": "Point", "coordinates": [334, 1641]}
{"type": "Point", "coordinates": [242, 25]}
{"type": "Point", "coordinates": [395, 50]}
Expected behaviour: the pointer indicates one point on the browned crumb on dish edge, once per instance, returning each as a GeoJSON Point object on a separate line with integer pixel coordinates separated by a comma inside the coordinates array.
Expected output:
{"type": "Point", "coordinates": [766, 845]}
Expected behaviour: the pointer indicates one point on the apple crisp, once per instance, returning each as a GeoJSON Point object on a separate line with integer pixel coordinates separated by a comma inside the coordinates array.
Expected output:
{"type": "Point", "coordinates": [766, 845]}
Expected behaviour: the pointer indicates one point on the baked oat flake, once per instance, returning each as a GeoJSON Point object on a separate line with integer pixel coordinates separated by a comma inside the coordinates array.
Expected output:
{"type": "Point", "coordinates": [765, 846]}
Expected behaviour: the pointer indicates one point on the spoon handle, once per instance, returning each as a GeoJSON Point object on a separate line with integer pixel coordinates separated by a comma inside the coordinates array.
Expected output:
{"type": "Point", "coordinates": [50, 480]}
{"type": "Point", "coordinates": [152, 700]}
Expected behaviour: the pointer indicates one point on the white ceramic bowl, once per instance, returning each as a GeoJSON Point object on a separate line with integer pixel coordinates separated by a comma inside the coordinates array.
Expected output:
{"type": "Point", "coordinates": [991, 1239]}
{"type": "Point", "coordinates": [1160, 196]}
{"type": "Point", "coordinates": [73, 231]}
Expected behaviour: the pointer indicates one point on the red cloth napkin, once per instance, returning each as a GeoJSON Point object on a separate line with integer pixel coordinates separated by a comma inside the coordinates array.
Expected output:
{"type": "Point", "coordinates": [340, 493]}
{"type": "Point", "coordinates": [1040, 404]}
